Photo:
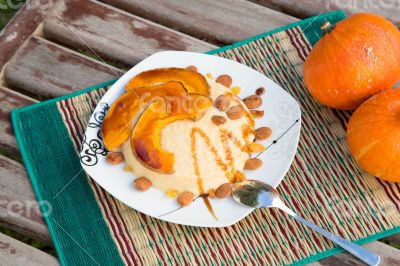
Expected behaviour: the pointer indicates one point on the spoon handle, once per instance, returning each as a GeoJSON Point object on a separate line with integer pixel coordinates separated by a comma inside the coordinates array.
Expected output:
{"type": "Point", "coordinates": [363, 254]}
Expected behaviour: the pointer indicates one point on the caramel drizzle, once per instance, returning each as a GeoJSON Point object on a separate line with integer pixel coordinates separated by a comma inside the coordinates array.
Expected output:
{"type": "Point", "coordinates": [247, 115]}
{"type": "Point", "coordinates": [209, 206]}
{"type": "Point", "coordinates": [228, 166]}
{"type": "Point", "coordinates": [250, 119]}
{"type": "Point", "coordinates": [225, 136]}
{"type": "Point", "coordinates": [247, 130]}
{"type": "Point", "coordinates": [213, 150]}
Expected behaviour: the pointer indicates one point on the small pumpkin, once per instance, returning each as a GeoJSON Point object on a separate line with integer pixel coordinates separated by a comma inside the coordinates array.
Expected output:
{"type": "Point", "coordinates": [373, 135]}
{"type": "Point", "coordinates": [354, 60]}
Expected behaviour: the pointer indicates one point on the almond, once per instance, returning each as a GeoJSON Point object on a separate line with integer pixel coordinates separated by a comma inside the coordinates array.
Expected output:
{"type": "Point", "coordinates": [222, 102]}
{"type": "Point", "coordinates": [260, 91]}
{"type": "Point", "coordinates": [235, 112]}
{"type": "Point", "coordinates": [218, 120]}
{"type": "Point", "coordinates": [185, 198]}
{"type": "Point", "coordinates": [194, 68]}
{"type": "Point", "coordinates": [257, 113]}
{"type": "Point", "coordinates": [225, 80]}
{"type": "Point", "coordinates": [115, 158]}
{"type": "Point", "coordinates": [142, 183]}
{"type": "Point", "coordinates": [253, 164]}
{"type": "Point", "coordinates": [253, 101]}
{"type": "Point", "coordinates": [223, 191]}
{"type": "Point", "coordinates": [255, 147]}
{"type": "Point", "coordinates": [263, 133]}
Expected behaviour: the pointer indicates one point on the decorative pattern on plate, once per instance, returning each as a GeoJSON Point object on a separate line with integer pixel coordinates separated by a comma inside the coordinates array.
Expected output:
{"type": "Point", "coordinates": [91, 148]}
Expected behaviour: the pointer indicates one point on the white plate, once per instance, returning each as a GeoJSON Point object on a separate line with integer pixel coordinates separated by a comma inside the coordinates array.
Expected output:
{"type": "Point", "coordinates": [282, 114]}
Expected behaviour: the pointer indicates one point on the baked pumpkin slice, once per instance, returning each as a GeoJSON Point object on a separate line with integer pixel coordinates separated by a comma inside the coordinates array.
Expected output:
{"type": "Point", "coordinates": [146, 140]}
{"type": "Point", "coordinates": [193, 81]}
{"type": "Point", "coordinates": [117, 124]}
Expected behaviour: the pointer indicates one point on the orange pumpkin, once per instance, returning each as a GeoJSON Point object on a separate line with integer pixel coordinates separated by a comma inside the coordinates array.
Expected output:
{"type": "Point", "coordinates": [354, 60]}
{"type": "Point", "coordinates": [373, 135]}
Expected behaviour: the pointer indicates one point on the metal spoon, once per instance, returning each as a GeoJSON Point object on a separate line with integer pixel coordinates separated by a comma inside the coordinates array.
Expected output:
{"type": "Point", "coordinates": [257, 194]}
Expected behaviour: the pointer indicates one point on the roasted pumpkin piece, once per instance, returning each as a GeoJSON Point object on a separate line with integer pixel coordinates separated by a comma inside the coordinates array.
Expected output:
{"type": "Point", "coordinates": [116, 126]}
{"type": "Point", "coordinates": [193, 81]}
{"type": "Point", "coordinates": [146, 135]}
{"type": "Point", "coordinates": [170, 88]}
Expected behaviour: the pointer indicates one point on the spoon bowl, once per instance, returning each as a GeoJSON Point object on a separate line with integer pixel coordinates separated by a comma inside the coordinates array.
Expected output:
{"type": "Point", "coordinates": [255, 194]}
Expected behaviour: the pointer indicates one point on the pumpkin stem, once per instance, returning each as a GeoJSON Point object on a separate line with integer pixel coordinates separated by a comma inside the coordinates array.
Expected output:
{"type": "Point", "coordinates": [327, 27]}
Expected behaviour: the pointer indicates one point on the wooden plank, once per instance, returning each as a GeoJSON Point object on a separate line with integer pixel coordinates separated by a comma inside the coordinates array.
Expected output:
{"type": "Point", "coordinates": [16, 253]}
{"type": "Point", "coordinates": [46, 69]}
{"type": "Point", "coordinates": [113, 34]}
{"type": "Point", "coordinates": [389, 256]}
{"type": "Point", "coordinates": [19, 209]}
{"type": "Point", "coordinates": [307, 8]}
{"type": "Point", "coordinates": [222, 22]}
{"type": "Point", "coordinates": [10, 100]}
{"type": "Point", "coordinates": [18, 205]}
{"type": "Point", "coordinates": [394, 239]}
{"type": "Point", "coordinates": [300, 8]}
{"type": "Point", "coordinates": [22, 25]}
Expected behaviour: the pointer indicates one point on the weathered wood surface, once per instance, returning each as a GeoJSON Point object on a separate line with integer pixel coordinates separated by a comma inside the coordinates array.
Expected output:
{"type": "Point", "coordinates": [21, 27]}
{"type": "Point", "coordinates": [113, 34]}
{"type": "Point", "coordinates": [222, 21]}
{"type": "Point", "coordinates": [10, 100]}
{"type": "Point", "coordinates": [394, 238]}
{"type": "Point", "coordinates": [46, 69]}
{"type": "Point", "coordinates": [19, 209]}
{"type": "Point", "coordinates": [307, 8]}
{"type": "Point", "coordinates": [389, 256]}
{"type": "Point", "coordinates": [16, 253]}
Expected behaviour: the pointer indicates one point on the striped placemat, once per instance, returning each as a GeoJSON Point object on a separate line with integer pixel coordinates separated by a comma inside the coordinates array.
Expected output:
{"type": "Point", "coordinates": [324, 183]}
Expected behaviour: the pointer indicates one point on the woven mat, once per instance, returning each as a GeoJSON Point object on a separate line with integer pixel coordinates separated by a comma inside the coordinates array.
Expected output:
{"type": "Point", "coordinates": [324, 184]}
